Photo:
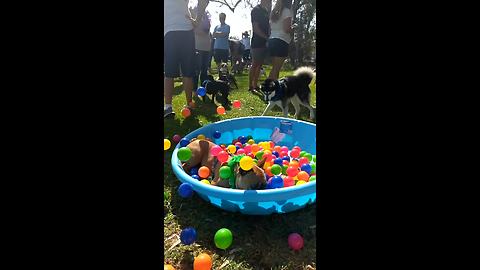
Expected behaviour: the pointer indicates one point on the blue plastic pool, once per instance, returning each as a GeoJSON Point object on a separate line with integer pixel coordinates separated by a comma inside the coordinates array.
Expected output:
{"type": "Point", "coordinates": [255, 202]}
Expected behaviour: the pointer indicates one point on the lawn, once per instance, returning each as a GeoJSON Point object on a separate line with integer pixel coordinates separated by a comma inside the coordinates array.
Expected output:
{"type": "Point", "coordinates": [259, 242]}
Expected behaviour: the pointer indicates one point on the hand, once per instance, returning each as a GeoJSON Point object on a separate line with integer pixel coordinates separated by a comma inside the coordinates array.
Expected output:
{"type": "Point", "coordinates": [194, 22]}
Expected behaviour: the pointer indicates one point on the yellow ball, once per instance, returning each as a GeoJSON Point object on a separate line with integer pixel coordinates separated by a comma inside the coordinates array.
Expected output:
{"type": "Point", "coordinates": [201, 137]}
{"type": "Point", "coordinates": [266, 145]}
{"type": "Point", "coordinates": [205, 181]}
{"type": "Point", "coordinates": [166, 144]}
{"type": "Point", "coordinates": [251, 141]}
{"type": "Point", "coordinates": [246, 163]}
{"type": "Point", "coordinates": [301, 182]}
{"type": "Point", "coordinates": [232, 149]}
{"type": "Point", "coordinates": [168, 267]}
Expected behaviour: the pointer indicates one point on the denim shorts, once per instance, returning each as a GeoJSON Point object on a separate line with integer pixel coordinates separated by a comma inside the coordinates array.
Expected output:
{"type": "Point", "coordinates": [179, 52]}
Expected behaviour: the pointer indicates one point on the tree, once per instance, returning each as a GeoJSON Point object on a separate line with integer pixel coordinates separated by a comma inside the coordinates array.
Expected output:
{"type": "Point", "coordinates": [230, 4]}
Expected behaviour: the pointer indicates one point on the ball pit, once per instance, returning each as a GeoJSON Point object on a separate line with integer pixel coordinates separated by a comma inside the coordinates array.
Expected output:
{"type": "Point", "coordinates": [257, 131]}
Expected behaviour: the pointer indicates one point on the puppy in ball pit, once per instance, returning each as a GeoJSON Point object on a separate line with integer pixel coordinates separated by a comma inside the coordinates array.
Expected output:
{"type": "Point", "coordinates": [241, 179]}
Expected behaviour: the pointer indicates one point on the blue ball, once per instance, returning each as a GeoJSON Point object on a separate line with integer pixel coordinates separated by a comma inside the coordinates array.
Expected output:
{"type": "Point", "coordinates": [194, 176]}
{"type": "Point", "coordinates": [217, 134]}
{"type": "Point", "coordinates": [238, 147]}
{"type": "Point", "coordinates": [184, 142]}
{"type": "Point", "coordinates": [194, 170]}
{"type": "Point", "coordinates": [243, 139]}
{"type": "Point", "coordinates": [278, 161]}
{"type": "Point", "coordinates": [277, 182]}
{"type": "Point", "coordinates": [269, 184]}
{"type": "Point", "coordinates": [287, 158]}
{"type": "Point", "coordinates": [188, 236]}
{"type": "Point", "coordinates": [201, 91]}
{"type": "Point", "coordinates": [185, 190]}
{"type": "Point", "coordinates": [275, 153]}
{"type": "Point", "coordinates": [306, 168]}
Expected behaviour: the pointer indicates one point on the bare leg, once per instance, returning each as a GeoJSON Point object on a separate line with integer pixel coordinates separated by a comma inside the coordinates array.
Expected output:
{"type": "Point", "coordinates": [168, 90]}
{"type": "Point", "coordinates": [188, 87]}
{"type": "Point", "coordinates": [253, 74]}
{"type": "Point", "coordinates": [277, 63]}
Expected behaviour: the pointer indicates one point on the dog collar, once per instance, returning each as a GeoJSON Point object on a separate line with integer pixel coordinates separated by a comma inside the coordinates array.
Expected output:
{"type": "Point", "coordinates": [279, 94]}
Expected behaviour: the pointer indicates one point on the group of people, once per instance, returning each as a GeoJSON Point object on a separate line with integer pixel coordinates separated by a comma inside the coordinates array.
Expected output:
{"type": "Point", "coordinates": [189, 44]}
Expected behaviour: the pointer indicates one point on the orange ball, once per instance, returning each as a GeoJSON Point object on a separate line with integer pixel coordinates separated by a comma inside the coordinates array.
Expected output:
{"type": "Point", "coordinates": [186, 112]}
{"type": "Point", "coordinates": [204, 172]}
{"type": "Point", "coordinates": [277, 148]}
{"type": "Point", "coordinates": [294, 163]}
{"type": "Point", "coordinates": [202, 262]}
{"type": "Point", "coordinates": [255, 148]}
{"type": "Point", "coordinates": [220, 110]}
{"type": "Point", "coordinates": [268, 171]}
{"type": "Point", "coordinates": [303, 176]}
{"type": "Point", "coordinates": [168, 267]}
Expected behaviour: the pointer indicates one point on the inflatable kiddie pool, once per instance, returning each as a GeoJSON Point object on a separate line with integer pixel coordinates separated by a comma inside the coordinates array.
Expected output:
{"type": "Point", "coordinates": [255, 202]}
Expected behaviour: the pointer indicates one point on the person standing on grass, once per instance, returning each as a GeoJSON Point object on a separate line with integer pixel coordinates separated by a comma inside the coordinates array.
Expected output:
{"type": "Point", "coordinates": [179, 48]}
{"type": "Point", "coordinates": [221, 46]}
{"type": "Point", "coordinates": [203, 42]}
{"type": "Point", "coordinates": [246, 43]}
{"type": "Point", "coordinates": [261, 33]}
{"type": "Point", "coordinates": [281, 36]}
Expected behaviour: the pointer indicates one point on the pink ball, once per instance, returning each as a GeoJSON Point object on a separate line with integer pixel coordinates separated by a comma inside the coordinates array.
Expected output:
{"type": "Point", "coordinates": [176, 138]}
{"type": "Point", "coordinates": [222, 156]}
{"type": "Point", "coordinates": [297, 148]}
{"type": "Point", "coordinates": [248, 148]}
{"type": "Point", "coordinates": [239, 144]}
{"type": "Point", "coordinates": [295, 241]}
{"type": "Point", "coordinates": [240, 151]}
{"type": "Point", "coordinates": [295, 153]}
{"type": "Point", "coordinates": [215, 150]}
{"type": "Point", "coordinates": [303, 160]}
{"type": "Point", "coordinates": [284, 148]}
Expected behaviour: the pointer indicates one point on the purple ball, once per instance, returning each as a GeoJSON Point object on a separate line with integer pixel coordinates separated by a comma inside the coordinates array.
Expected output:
{"type": "Point", "coordinates": [295, 241]}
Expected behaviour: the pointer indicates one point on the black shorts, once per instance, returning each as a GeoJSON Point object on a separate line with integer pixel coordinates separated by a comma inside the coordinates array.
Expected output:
{"type": "Point", "coordinates": [220, 55]}
{"type": "Point", "coordinates": [277, 47]}
{"type": "Point", "coordinates": [179, 51]}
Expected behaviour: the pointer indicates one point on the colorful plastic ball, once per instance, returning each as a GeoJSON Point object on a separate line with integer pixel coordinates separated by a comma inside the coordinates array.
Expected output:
{"type": "Point", "coordinates": [247, 148]}
{"type": "Point", "coordinates": [276, 182]}
{"type": "Point", "coordinates": [255, 148]}
{"type": "Point", "coordinates": [220, 110]}
{"type": "Point", "coordinates": [201, 137]}
{"type": "Point", "coordinates": [185, 190]}
{"type": "Point", "coordinates": [251, 155]}
{"type": "Point", "coordinates": [217, 134]}
{"type": "Point", "coordinates": [277, 148]}
{"type": "Point", "coordinates": [243, 139]}
{"type": "Point", "coordinates": [204, 172]}
{"type": "Point", "coordinates": [232, 149]}
{"type": "Point", "coordinates": [176, 138]}
{"type": "Point", "coordinates": [294, 163]}
{"type": "Point", "coordinates": [276, 169]}
{"type": "Point", "coordinates": [184, 154]}
{"type": "Point", "coordinates": [259, 154]}
{"type": "Point", "coordinates": [288, 181]}
{"type": "Point", "coordinates": [184, 142]}
{"type": "Point", "coordinates": [240, 151]}
{"type": "Point", "coordinates": [225, 172]}
{"type": "Point", "coordinates": [284, 148]}
{"type": "Point", "coordinates": [168, 267]}
{"type": "Point", "coordinates": [287, 158]}
{"type": "Point", "coordinates": [268, 171]}
{"type": "Point", "coordinates": [308, 156]}
{"type": "Point", "coordinates": [250, 141]}
{"type": "Point", "coordinates": [312, 178]}
{"type": "Point", "coordinates": [295, 241]}
{"type": "Point", "coordinates": [314, 168]}
{"type": "Point", "coordinates": [278, 161]}
{"type": "Point", "coordinates": [246, 163]}
{"type": "Point", "coordinates": [300, 182]}
{"type": "Point", "coordinates": [237, 104]}
{"type": "Point", "coordinates": [186, 112]}
{"type": "Point", "coordinates": [285, 162]}
{"type": "Point", "coordinates": [205, 181]}
{"type": "Point", "coordinates": [284, 169]}
{"type": "Point", "coordinates": [276, 154]}
{"type": "Point", "coordinates": [201, 91]}
{"type": "Point", "coordinates": [303, 160]}
{"type": "Point", "coordinates": [223, 238]}
{"type": "Point", "coordinates": [202, 262]}
{"type": "Point", "coordinates": [215, 150]}
{"type": "Point", "coordinates": [314, 158]}
{"type": "Point", "coordinates": [304, 176]}
{"type": "Point", "coordinates": [195, 176]}
{"type": "Point", "coordinates": [292, 171]}
{"type": "Point", "coordinates": [306, 168]}
{"type": "Point", "coordinates": [222, 156]}
{"type": "Point", "coordinates": [166, 144]}
{"type": "Point", "coordinates": [188, 236]}
{"type": "Point", "coordinates": [283, 154]}
{"type": "Point", "coordinates": [302, 153]}
{"type": "Point", "coordinates": [294, 153]}
{"type": "Point", "coordinates": [297, 148]}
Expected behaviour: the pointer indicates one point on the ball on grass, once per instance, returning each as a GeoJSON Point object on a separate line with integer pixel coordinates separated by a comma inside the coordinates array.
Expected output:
{"type": "Point", "coordinates": [202, 262]}
{"type": "Point", "coordinates": [221, 110]}
{"type": "Point", "coordinates": [188, 236]}
{"type": "Point", "coordinates": [295, 241]}
{"type": "Point", "coordinates": [166, 144]}
{"type": "Point", "coordinates": [176, 138]}
{"type": "Point", "coordinates": [186, 112]}
{"type": "Point", "coordinates": [185, 190]}
{"type": "Point", "coordinates": [237, 104]}
{"type": "Point", "coordinates": [223, 238]}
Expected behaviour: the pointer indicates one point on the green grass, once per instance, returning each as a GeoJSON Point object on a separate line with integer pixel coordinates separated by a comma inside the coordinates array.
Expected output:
{"type": "Point", "coordinates": [259, 242]}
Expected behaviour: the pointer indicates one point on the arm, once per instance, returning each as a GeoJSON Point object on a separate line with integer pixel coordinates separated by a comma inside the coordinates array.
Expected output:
{"type": "Point", "coordinates": [221, 34]}
{"type": "Point", "coordinates": [287, 25]}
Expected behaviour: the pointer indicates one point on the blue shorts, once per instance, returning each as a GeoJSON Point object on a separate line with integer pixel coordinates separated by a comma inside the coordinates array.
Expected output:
{"type": "Point", "coordinates": [179, 52]}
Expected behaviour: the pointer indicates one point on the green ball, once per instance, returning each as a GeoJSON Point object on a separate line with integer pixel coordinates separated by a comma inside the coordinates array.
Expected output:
{"type": "Point", "coordinates": [312, 178]}
{"type": "Point", "coordinates": [314, 168]}
{"type": "Point", "coordinates": [314, 158]}
{"type": "Point", "coordinates": [284, 169]}
{"type": "Point", "coordinates": [259, 155]}
{"type": "Point", "coordinates": [308, 156]}
{"type": "Point", "coordinates": [276, 169]}
{"type": "Point", "coordinates": [302, 153]}
{"type": "Point", "coordinates": [223, 238]}
{"type": "Point", "coordinates": [184, 154]}
{"type": "Point", "coordinates": [225, 172]}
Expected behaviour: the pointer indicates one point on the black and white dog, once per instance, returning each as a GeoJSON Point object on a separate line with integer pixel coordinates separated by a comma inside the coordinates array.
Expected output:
{"type": "Point", "coordinates": [218, 89]}
{"type": "Point", "coordinates": [291, 89]}
{"type": "Point", "coordinates": [226, 76]}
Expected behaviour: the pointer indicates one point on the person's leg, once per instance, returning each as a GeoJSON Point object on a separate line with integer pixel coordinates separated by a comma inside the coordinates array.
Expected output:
{"type": "Point", "coordinates": [187, 63]}
{"type": "Point", "coordinates": [277, 63]}
{"type": "Point", "coordinates": [171, 70]}
{"type": "Point", "coordinates": [168, 91]}
{"type": "Point", "coordinates": [204, 56]}
{"type": "Point", "coordinates": [198, 63]}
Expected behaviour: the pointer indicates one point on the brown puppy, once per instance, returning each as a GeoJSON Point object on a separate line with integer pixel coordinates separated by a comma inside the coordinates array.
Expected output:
{"type": "Point", "coordinates": [252, 179]}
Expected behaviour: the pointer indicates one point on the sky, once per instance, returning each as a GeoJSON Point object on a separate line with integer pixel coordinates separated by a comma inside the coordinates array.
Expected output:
{"type": "Point", "coordinates": [239, 21]}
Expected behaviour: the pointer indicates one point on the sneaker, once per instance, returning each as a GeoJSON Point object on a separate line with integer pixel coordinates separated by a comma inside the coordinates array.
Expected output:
{"type": "Point", "coordinates": [168, 112]}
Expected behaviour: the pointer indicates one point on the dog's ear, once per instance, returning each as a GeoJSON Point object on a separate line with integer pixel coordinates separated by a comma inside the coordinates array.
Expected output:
{"type": "Point", "coordinates": [259, 172]}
